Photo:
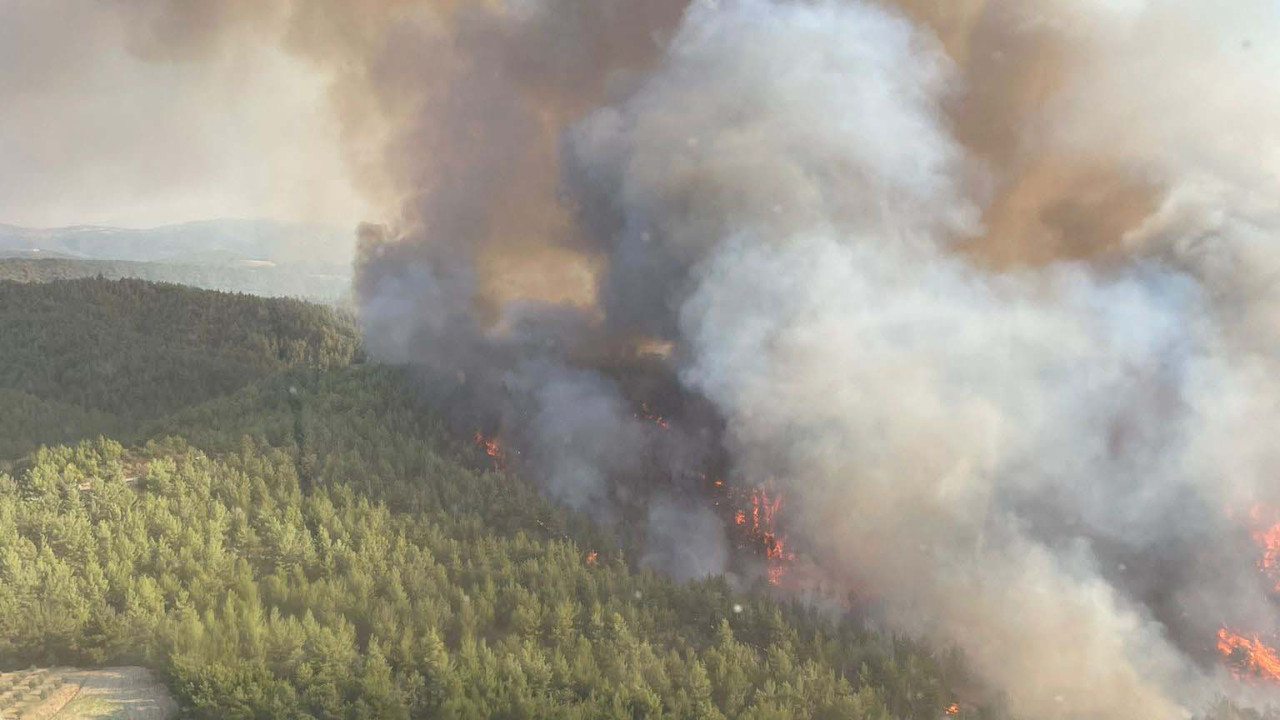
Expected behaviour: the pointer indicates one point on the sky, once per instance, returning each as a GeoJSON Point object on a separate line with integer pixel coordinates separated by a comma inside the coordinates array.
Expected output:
{"type": "Point", "coordinates": [97, 130]}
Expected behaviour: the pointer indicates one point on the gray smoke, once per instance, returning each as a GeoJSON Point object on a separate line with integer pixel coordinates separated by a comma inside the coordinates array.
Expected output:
{"type": "Point", "coordinates": [1018, 387]}
{"type": "Point", "coordinates": [920, 411]}
{"type": "Point", "coordinates": [986, 288]}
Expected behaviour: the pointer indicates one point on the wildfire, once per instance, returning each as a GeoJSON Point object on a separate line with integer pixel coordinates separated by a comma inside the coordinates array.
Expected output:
{"type": "Point", "coordinates": [1265, 530]}
{"type": "Point", "coordinates": [754, 513]}
{"type": "Point", "coordinates": [647, 413]}
{"type": "Point", "coordinates": [1268, 539]}
{"type": "Point", "coordinates": [493, 449]}
{"type": "Point", "coordinates": [1250, 658]}
{"type": "Point", "coordinates": [952, 709]}
{"type": "Point", "coordinates": [591, 558]}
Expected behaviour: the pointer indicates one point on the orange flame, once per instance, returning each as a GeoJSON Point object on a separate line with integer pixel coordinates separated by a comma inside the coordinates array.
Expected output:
{"type": "Point", "coordinates": [754, 512]}
{"type": "Point", "coordinates": [1250, 658]}
{"type": "Point", "coordinates": [1267, 536]}
{"type": "Point", "coordinates": [777, 558]}
{"type": "Point", "coordinates": [493, 449]}
{"type": "Point", "coordinates": [591, 558]}
{"type": "Point", "coordinates": [953, 709]}
{"type": "Point", "coordinates": [1269, 563]}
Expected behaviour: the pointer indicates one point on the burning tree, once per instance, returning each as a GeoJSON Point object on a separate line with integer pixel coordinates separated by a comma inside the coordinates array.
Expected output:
{"type": "Point", "coordinates": [1248, 657]}
{"type": "Point", "coordinates": [755, 513]}
{"type": "Point", "coordinates": [492, 448]}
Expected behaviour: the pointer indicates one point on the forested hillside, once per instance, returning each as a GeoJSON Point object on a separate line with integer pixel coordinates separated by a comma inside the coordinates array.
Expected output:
{"type": "Point", "coordinates": [91, 356]}
{"type": "Point", "coordinates": [309, 542]}
{"type": "Point", "coordinates": [367, 573]}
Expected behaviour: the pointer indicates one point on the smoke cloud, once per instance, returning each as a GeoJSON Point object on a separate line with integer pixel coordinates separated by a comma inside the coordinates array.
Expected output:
{"type": "Point", "coordinates": [116, 114]}
{"type": "Point", "coordinates": [986, 288]}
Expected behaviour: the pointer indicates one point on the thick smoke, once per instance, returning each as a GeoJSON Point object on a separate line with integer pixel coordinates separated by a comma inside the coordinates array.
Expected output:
{"type": "Point", "coordinates": [987, 288]}
{"type": "Point", "coordinates": [798, 229]}
{"type": "Point", "coordinates": [1039, 464]}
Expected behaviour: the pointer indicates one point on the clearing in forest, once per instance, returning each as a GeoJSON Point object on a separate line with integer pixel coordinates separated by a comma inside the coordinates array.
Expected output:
{"type": "Point", "coordinates": [119, 693]}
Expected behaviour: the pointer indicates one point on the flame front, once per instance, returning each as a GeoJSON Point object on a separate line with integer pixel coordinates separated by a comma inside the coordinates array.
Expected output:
{"type": "Point", "coordinates": [1249, 658]}
{"type": "Point", "coordinates": [953, 709]}
{"type": "Point", "coordinates": [1247, 655]}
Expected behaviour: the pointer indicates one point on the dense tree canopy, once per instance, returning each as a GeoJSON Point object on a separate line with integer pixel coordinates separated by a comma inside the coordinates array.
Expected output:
{"type": "Point", "coordinates": [367, 572]}
{"type": "Point", "coordinates": [89, 356]}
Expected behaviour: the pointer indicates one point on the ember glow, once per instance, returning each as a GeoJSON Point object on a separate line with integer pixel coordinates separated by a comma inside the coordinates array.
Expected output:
{"type": "Point", "coordinates": [647, 413]}
{"type": "Point", "coordinates": [1249, 657]}
{"type": "Point", "coordinates": [953, 709]}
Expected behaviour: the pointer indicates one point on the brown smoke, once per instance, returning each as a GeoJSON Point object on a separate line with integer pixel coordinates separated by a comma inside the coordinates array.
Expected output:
{"type": "Point", "coordinates": [1048, 204]}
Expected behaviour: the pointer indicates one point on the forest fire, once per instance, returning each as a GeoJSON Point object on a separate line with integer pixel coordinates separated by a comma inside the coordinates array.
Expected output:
{"type": "Point", "coordinates": [1267, 535]}
{"type": "Point", "coordinates": [754, 514]}
{"type": "Point", "coordinates": [1270, 541]}
{"type": "Point", "coordinates": [952, 710]}
{"type": "Point", "coordinates": [1249, 658]}
{"type": "Point", "coordinates": [493, 449]}
{"type": "Point", "coordinates": [647, 413]}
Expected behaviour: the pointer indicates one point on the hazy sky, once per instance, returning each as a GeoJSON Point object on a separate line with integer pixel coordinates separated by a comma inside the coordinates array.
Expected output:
{"type": "Point", "coordinates": [92, 130]}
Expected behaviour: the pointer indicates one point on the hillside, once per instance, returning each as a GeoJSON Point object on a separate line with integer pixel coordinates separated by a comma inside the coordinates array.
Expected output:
{"type": "Point", "coordinates": [287, 533]}
{"type": "Point", "coordinates": [90, 356]}
{"type": "Point", "coordinates": [247, 239]}
{"type": "Point", "coordinates": [309, 542]}
{"type": "Point", "coordinates": [320, 283]}
{"type": "Point", "coordinates": [339, 561]}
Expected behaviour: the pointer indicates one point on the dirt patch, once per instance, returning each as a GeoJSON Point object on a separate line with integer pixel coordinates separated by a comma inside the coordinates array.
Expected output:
{"type": "Point", "coordinates": [119, 693]}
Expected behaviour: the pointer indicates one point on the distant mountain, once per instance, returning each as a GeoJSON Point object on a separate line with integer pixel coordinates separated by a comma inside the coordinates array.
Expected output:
{"type": "Point", "coordinates": [227, 240]}
{"type": "Point", "coordinates": [259, 257]}
{"type": "Point", "coordinates": [33, 254]}
{"type": "Point", "coordinates": [265, 279]}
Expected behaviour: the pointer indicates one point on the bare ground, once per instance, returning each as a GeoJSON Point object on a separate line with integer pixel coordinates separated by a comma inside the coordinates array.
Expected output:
{"type": "Point", "coordinates": [118, 693]}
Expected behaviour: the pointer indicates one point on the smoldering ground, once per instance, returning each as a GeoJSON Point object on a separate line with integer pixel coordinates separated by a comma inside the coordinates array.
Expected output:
{"type": "Point", "coordinates": [987, 288]}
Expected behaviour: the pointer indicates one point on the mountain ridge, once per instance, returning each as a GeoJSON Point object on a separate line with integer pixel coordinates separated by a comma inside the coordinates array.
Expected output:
{"type": "Point", "coordinates": [250, 239]}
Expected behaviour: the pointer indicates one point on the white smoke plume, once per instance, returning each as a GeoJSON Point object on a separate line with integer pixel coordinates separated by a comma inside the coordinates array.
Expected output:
{"type": "Point", "coordinates": [1037, 464]}
{"type": "Point", "coordinates": [988, 288]}
{"type": "Point", "coordinates": [921, 410]}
